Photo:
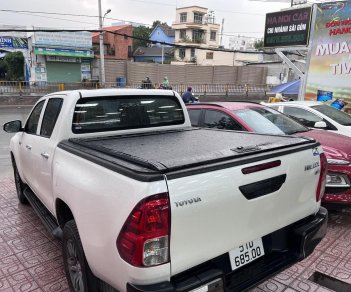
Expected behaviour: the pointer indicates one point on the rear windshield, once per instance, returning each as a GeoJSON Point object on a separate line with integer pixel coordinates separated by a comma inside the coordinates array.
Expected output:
{"type": "Point", "coordinates": [125, 112]}
{"type": "Point", "coordinates": [336, 115]}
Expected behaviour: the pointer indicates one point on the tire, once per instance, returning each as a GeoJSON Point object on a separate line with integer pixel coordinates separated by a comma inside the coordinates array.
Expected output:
{"type": "Point", "coordinates": [79, 276]}
{"type": "Point", "coordinates": [20, 186]}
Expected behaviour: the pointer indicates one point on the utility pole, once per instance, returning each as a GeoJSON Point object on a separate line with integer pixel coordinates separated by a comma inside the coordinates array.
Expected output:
{"type": "Point", "coordinates": [101, 40]}
{"type": "Point", "coordinates": [222, 28]}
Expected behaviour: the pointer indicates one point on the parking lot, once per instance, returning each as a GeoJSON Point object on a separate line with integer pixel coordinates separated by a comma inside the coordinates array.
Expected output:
{"type": "Point", "coordinates": [31, 259]}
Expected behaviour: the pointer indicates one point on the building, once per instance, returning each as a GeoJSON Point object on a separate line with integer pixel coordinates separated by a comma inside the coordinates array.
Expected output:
{"type": "Point", "coordinates": [195, 27]}
{"type": "Point", "coordinates": [163, 33]}
{"type": "Point", "coordinates": [153, 54]}
{"type": "Point", "coordinates": [60, 56]}
{"type": "Point", "coordinates": [242, 43]}
{"type": "Point", "coordinates": [116, 46]}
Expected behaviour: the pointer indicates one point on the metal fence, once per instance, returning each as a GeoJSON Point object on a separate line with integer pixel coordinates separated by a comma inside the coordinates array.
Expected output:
{"type": "Point", "coordinates": [41, 88]}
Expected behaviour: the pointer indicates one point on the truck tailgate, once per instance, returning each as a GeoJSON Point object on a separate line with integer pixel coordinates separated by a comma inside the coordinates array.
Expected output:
{"type": "Point", "coordinates": [210, 215]}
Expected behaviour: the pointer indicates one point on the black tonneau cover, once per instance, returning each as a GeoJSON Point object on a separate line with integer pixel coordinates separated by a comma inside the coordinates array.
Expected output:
{"type": "Point", "coordinates": [175, 152]}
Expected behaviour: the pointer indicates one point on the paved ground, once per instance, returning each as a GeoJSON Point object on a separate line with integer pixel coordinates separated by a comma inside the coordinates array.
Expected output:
{"type": "Point", "coordinates": [31, 260]}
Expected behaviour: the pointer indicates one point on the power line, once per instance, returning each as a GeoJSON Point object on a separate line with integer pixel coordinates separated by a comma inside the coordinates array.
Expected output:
{"type": "Point", "coordinates": [33, 13]}
{"type": "Point", "coordinates": [30, 12]}
{"type": "Point", "coordinates": [225, 11]}
{"type": "Point", "coordinates": [132, 37]}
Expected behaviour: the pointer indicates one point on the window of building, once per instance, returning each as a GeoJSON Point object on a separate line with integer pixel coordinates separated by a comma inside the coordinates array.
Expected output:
{"type": "Point", "coordinates": [183, 17]}
{"type": "Point", "coordinates": [209, 55]}
{"type": "Point", "coordinates": [182, 34]}
{"type": "Point", "coordinates": [198, 36]}
{"type": "Point", "coordinates": [182, 53]}
{"type": "Point", "coordinates": [192, 52]}
{"type": "Point", "coordinates": [198, 17]}
{"type": "Point", "coordinates": [213, 35]}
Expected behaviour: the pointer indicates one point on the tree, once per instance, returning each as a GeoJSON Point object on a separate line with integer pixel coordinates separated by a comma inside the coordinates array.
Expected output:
{"type": "Point", "coordinates": [15, 66]}
{"type": "Point", "coordinates": [144, 33]}
{"type": "Point", "coordinates": [258, 44]}
{"type": "Point", "coordinates": [156, 23]}
{"type": "Point", "coordinates": [141, 32]}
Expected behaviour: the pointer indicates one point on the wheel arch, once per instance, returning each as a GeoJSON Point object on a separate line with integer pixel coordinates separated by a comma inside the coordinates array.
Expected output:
{"type": "Point", "coordinates": [63, 212]}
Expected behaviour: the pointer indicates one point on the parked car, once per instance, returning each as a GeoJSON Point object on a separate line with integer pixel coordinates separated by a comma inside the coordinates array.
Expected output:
{"type": "Point", "coordinates": [144, 202]}
{"type": "Point", "coordinates": [315, 114]}
{"type": "Point", "coordinates": [253, 117]}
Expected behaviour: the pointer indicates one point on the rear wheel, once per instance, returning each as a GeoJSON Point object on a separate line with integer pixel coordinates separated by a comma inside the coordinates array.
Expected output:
{"type": "Point", "coordinates": [79, 276]}
{"type": "Point", "coordinates": [20, 186]}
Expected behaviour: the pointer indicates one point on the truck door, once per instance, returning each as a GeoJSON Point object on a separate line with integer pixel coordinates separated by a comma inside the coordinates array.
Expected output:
{"type": "Point", "coordinates": [43, 152]}
{"type": "Point", "coordinates": [26, 143]}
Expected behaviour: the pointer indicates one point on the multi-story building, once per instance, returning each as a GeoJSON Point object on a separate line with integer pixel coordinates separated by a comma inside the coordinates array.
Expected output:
{"type": "Point", "coordinates": [116, 46]}
{"type": "Point", "coordinates": [195, 27]}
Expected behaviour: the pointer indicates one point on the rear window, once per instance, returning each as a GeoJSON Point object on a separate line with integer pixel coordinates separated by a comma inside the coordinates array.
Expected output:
{"type": "Point", "coordinates": [125, 112]}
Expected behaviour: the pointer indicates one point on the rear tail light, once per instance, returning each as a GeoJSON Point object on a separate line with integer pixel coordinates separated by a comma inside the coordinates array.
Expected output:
{"type": "Point", "coordinates": [322, 177]}
{"type": "Point", "coordinates": [144, 238]}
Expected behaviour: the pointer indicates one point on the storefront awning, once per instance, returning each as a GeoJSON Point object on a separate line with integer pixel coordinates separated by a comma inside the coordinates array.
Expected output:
{"type": "Point", "coordinates": [63, 52]}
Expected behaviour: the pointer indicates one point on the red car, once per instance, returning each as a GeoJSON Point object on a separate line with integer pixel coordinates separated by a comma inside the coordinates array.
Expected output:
{"type": "Point", "coordinates": [254, 117]}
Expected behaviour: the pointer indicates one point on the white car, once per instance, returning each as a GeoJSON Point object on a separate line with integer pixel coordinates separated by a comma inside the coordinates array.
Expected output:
{"type": "Point", "coordinates": [315, 114]}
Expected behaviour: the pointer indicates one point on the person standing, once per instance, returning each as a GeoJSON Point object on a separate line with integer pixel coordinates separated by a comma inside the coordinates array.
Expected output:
{"type": "Point", "coordinates": [188, 96]}
{"type": "Point", "coordinates": [165, 82]}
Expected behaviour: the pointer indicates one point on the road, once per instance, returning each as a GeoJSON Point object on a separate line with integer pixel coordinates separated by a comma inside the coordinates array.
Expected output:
{"type": "Point", "coordinates": [9, 114]}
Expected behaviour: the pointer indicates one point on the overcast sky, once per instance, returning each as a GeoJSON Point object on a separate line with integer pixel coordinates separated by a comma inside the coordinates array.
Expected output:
{"type": "Point", "coordinates": [242, 17]}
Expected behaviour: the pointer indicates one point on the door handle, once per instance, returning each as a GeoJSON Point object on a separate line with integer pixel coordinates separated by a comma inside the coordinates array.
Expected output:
{"type": "Point", "coordinates": [45, 155]}
{"type": "Point", "coordinates": [28, 147]}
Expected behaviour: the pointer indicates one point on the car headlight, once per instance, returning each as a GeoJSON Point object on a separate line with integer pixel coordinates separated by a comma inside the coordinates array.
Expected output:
{"type": "Point", "coordinates": [337, 180]}
{"type": "Point", "coordinates": [338, 161]}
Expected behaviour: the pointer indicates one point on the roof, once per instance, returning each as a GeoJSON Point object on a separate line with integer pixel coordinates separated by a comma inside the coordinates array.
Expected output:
{"type": "Point", "coordinates": [307, 103]}
{"type": "Point", "coordinates": [169, 31]}
{"type": "Point", "coordinates": [112, 28]}
{"type": "Point", "coordinates": [230, 105]}
{"type": "Point", "coordinates": [152, 51]}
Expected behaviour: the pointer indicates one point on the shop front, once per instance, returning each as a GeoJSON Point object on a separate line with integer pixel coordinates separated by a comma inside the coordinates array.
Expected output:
{"type": "Point", "coordinates": [62, 56]}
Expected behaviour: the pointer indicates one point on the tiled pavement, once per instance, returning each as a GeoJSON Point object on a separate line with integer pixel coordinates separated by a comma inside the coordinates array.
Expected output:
{"type": "Point", "coordinates": [31, 260]}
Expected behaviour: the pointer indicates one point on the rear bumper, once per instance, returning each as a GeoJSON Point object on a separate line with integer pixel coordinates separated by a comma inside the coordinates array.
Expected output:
{"type": "Point", "coordinates": [283, 248]}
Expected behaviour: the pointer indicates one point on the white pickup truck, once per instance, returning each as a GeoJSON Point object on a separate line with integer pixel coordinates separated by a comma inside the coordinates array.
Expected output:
{"type": "Point", "coordinates": [144, 202]}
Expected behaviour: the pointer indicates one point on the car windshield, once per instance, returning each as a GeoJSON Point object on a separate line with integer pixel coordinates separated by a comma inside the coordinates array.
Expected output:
{"type": "Point", "coordinates": [336, 115]}
{"type": "Point", "coordinates": [268, 121]}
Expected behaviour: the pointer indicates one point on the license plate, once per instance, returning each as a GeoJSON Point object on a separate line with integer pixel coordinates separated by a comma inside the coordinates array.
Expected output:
{"type": "Point", "coordinates": [246, 253]}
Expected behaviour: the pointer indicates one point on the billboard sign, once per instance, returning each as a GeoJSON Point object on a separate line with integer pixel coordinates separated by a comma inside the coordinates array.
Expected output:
{"type": "Point", "coordinates": [63, 52]}
{"type": "Point", "coordinates": [330, 61]}
{"type": "Point", "coordinates": [13, 42]}
{"type": "Point", "coordinates": [287, 28]}
{"type": "Point", "coordinates": [75, 39]}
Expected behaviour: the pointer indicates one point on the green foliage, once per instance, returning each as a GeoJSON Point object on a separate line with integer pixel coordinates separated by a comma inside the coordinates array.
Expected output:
{"type": "Point", "coordinates": [15, 66]}
{"type": "Point", "coordinates": [258, 44]}
{"type": "Point", "coordinates": [144, 33]}
{"type": "Point", "coordinates": [156, 23]}
{"type": "Point", "coordinates": [141, 32]}
{"type": "Point", "coordinates": [3, 69]}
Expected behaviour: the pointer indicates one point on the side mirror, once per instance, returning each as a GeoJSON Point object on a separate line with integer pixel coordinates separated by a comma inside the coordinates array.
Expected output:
{"type": "Point", "coordinates": [13, 126]}
{"type": "Point", "coordinates": [320, 125]}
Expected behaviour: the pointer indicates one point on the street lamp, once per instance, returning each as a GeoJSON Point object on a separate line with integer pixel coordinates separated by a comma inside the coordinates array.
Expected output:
{"type": "Point", "coordinates": [101, 39]}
